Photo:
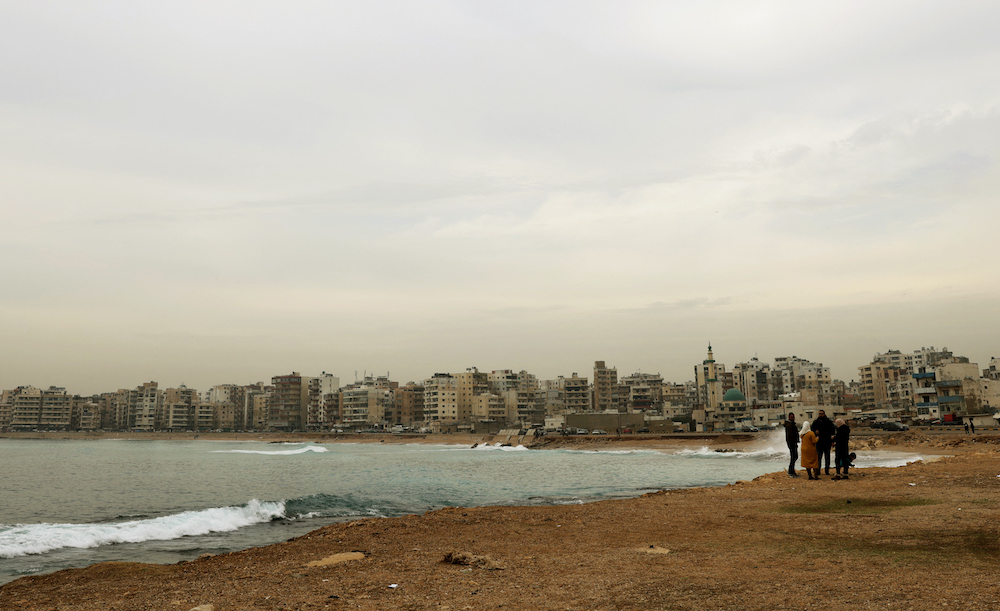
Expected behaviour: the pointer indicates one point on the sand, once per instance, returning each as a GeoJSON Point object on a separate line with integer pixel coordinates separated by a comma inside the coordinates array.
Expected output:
{"type": "Point", "coordinates": [917, 537]}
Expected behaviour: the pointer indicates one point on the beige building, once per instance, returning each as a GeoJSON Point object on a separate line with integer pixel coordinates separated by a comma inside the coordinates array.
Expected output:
{"type": "Point", "coordinates": [408, 405]}
{"type": "Point", "coordinates": [144, 403]}
{"type": "Point", "coordinates": [441, 399]}
{"type": "Point", "coordinates": [258, 408]}
{"type": "Point", "coordinates": [576, 394]}
{"type": "Point", "coordinates": [34, 408]}
{"type": "Point", "coordinates": [643, 391]}
{"type": "Point", "coordinates": [489, 408]}
{"type": "Point", "coordinates": [364, 405]}
{"type": "Point", "coordinates": [605, 388]}
{"type": "Point", "coordinates": [469, 384]}
{"type": "Point", "coordinates": [86, 414]}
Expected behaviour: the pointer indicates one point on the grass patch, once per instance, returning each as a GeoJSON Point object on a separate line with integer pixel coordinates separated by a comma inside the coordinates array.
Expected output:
{"type": "Point", "coordinates": [938, 548]}
{"type": "Point", "coordinates": [850, 506]}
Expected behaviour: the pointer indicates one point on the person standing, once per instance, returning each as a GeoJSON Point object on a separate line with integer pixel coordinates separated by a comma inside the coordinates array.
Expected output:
{"type": "Point", "coordinates": [792, 440]}
{"type": "Point", "coordinates": [972, 426]}
{"type": "Point", "coordinates": [810, 459]}
{"type": "Point", "coordinates": [824, 430]}
{"type": "Point", "coordinates": [842, 441]}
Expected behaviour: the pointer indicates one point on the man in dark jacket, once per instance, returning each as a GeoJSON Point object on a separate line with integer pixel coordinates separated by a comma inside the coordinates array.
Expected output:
{"type": "Point", "coordinates": [824, 430]}
{"type": "Point", "coordinates": [792, 440]}
{"type": "Point", "coordinates": [844, 454]}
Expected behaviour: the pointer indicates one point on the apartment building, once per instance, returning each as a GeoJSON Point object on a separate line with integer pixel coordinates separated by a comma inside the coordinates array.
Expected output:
{"type": "Point", "coordinates": [323, 410]}
{"type": "Point", "coordinates": [86, 414]}
{"type": "Point", "coordinates": [289, 402]}
{"type": "Point", "coordinates": [753, 379]}
{"type": "Point", "coordinates": [489, 408]}
{"type": "Point", "coordinates": [144, 403]}
{"type": "Point", "coordinates": [441, 399]}
{"type": "Point", "coordinates": [34, 408]}
{"type": "Point", "coordinates": [502, 380]}
{"type": "Point", "coordinates": [469, 384]}
{"type": "Point", "coordinates": [576, 394]}
{"type": "Point", "coordinates": [605, 388]}
{"type": "Point", "coordinates": [642, 391]}
{"type": "Point", "coordinates": [408, 405]}
{"type": "Point", "coordinates": [365, 405]}
{"type": "Point", "coordinates": [258, 407]}
{"type": "Point", "coordinates": [522, 406]}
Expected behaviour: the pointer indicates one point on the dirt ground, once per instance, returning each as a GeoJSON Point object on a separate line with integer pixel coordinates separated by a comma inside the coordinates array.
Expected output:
{"type": "Point", "coordinates": [917, 537]}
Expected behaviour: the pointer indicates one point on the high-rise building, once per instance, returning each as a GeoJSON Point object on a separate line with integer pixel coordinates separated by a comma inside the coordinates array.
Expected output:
{"type": "Point", "coordinates": [145, 402]}
{"type": "Point", "coordinates": [440, 399]}
{"type": "Point", "coordinates": [289, 402]}
{"type": "Point", "coordinates": [324, 402]}
{"type": "Point", "coordinates": [408, 405]}
{"type": "Point", "coordinates": [469, 384]}
{"type": "Point", "coordinates": [605, 387]}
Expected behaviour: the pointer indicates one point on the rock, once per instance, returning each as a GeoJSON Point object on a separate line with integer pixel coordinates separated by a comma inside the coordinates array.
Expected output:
{"type": "Point", "coordinates": [470, 559]}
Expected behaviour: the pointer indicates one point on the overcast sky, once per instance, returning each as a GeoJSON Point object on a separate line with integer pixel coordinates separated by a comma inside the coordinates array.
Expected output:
{"type": "Point", "coordinates": [220, 192]}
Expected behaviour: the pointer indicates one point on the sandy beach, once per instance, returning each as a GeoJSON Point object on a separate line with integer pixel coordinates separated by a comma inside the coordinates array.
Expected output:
{"type": "Point", "coordinates": [916, 537]}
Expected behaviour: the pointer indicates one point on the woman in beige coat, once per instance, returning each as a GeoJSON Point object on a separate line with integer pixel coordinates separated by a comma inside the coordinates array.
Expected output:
{"type": "Point", "coordinates": [810, 458]}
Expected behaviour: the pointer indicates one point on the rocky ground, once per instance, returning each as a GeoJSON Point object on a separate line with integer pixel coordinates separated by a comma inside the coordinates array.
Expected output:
{"type": "Point", "coordinates": [917, 537]}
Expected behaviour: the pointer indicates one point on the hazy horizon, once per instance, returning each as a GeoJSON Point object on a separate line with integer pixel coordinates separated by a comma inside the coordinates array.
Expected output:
{"type": "Point", "coordinates": [220, 193]}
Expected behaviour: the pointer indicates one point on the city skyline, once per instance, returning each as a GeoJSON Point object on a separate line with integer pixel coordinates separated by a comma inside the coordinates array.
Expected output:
{"type": "Point", "coordinates": [204, 194]}
{"type": "Point", "coordinates": [585, 372]}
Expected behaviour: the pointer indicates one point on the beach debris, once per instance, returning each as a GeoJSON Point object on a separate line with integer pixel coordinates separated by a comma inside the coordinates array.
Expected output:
{"type": "Point", "coordinates": [208, 607]}
{"type": "Point", "coordinates": [337, 559]}
{"type": "Point", "coordinates": [470, 559]}
{"type": "Point", "coordinates": [393, 585]}
{"type": "Point", "coordinates": [913, 484]}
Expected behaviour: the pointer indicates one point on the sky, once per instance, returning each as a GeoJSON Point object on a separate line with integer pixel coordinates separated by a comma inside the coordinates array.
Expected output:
{"type": "Point", "coordinates": [221, 192]}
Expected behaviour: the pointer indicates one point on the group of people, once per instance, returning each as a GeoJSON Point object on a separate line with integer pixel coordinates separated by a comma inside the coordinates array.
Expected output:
{"type": "Point", "coordinates": [817, 441]}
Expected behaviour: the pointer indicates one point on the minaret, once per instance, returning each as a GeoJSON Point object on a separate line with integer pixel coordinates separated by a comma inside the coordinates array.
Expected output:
{"type": "Point", "coordinates": [711, 380]}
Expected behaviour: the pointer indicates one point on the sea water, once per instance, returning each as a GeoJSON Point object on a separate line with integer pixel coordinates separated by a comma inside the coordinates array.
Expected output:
{"type": "Point", "coordinates": [69, 503]}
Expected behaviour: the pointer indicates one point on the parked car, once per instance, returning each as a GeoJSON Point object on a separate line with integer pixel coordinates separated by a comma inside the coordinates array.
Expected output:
{"type": "Point", "coordinates": [582, 432]}
{"type": "Point", "coordinates": [644, 430]}
{"type": "Point", "coordinates": [598, 432]}
{"type": "Point", "coordinates": [895, 426]}
{"type": "Point", "coordinates": [750, 429]}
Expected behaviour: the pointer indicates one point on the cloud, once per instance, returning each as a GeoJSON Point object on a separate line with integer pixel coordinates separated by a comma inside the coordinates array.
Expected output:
{"type": "Point", "coordinates": [533, 177]}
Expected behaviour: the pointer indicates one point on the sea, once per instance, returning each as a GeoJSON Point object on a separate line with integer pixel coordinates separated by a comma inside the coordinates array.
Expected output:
{"type": "Point", "coordinates": [73, 503]}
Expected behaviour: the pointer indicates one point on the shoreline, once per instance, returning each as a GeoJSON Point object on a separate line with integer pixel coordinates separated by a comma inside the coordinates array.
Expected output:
{"type": "Point", "coordinates": [669, 549]}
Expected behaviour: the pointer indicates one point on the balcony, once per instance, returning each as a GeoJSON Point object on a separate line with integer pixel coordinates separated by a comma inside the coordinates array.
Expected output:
{"type": "Point", "coordinates": [947, 383]}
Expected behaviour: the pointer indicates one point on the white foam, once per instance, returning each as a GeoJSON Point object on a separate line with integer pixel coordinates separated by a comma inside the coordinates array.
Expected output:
{"type": "Point", "coordinates": [273, 452]}
{"type": "Point", "coordinates": [26, 539]}
{"type": "Point", "coordinates": [616, 451]}
{"type": "Point", "coordinates": [707, 452]}
{"type": "Point", "coordinates": [499, 447]}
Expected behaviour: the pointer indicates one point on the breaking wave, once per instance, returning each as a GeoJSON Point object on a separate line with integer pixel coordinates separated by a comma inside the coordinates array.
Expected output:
{"type": "Point", "coordinates": [274, 452]}
{"type": "Point", "coordinates": [25, 539]}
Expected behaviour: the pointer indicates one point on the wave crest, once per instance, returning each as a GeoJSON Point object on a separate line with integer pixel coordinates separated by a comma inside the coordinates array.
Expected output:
{"type": "Point", "coordinates": [25, 539]}
{"type": "Point", "coordinates": [274, 452]}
